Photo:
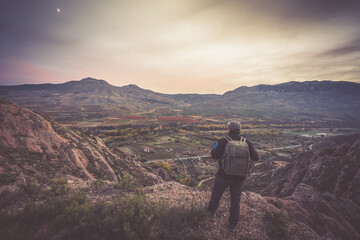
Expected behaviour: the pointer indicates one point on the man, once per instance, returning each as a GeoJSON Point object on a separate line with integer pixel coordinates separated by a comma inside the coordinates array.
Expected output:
{"type": "Point", "coordinates": [223, 180]}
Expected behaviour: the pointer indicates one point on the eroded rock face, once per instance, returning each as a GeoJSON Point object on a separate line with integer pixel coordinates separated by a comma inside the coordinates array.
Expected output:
{"type": "Point", "coordinates": [332, 166]}
{"type": "Point", "coordinates": [31, 145]}
{"type": "Point", "coordinates": [325, 182]}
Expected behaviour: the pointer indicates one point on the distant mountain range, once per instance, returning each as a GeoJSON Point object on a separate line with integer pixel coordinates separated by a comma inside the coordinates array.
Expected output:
{"type": "Point", "coordinates": [84, 99]}
{"type": "Point", "coordinates": [329, 100]}
{"type": "Point", "coordinates": [87, 91]}
{"type": "Point", "coordinates": [98, 98]}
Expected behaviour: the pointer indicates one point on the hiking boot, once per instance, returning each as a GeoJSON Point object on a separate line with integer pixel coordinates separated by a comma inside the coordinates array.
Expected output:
{"type": "Point", "coordinates": [232, 227]}
{"type": "Point", "coordinates": [211, 214]}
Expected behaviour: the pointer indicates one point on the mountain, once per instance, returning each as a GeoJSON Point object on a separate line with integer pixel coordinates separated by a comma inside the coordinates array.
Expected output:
{"type": "Point", "coordinates": [329, 101]}
{"type": "Point", "coordinates": [340, 87]}
{"type": "Point", "coordinates": [86, 98]}
{"type": "Point", "coordinates": [35, 148]}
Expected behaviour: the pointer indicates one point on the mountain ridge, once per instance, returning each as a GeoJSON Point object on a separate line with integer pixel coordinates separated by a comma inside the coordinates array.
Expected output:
{"type": "Point", "coordinates": [307, 86]}
{"type": "Point", "coordinates": [97, 99]}
{"type": "Point", "coordinates": [291, 86]}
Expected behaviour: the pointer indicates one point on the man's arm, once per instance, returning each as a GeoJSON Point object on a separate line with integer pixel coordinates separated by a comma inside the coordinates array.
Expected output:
{"type": "Point", "coordinates": [219, 148]}
{"type": "Point", "coordinates": [253, 153]}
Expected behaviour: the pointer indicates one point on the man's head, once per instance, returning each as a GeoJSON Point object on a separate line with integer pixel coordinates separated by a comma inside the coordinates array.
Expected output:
{"type": "Point", "coordinates": [234, 127]}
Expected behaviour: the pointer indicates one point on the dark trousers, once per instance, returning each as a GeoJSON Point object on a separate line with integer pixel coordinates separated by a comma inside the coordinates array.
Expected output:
{"type": "Point", "coordinates": [235, 193]}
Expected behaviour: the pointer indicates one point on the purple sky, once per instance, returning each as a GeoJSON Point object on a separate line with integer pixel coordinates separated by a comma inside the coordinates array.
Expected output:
{"type": "Point", "coordinates": [179, 46]}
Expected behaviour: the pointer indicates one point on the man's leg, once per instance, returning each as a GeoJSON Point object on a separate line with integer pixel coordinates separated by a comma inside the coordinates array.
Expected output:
{"type": "Point", "coordinates": [219, 187]}
{"type": "Point", "coordinates": [235, 194]}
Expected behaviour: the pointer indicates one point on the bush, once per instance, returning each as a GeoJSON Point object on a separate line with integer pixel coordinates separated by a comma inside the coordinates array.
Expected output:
{"type": "Point", "coordinates": [185, 181]}
{"type": "Point", "coordinates": [276, 224]}
{"type": "Point", "coordinates": [8, 197]}
{"type": "Point", "coordinates": [30, 188]}
{"type": "Point", "coordinates": [59, 187]}
{"type": "Point", "coordinates": [125, 183]}
{"type": "Point", "coordinates": [163, 165]}
{"type": "Point", "coordinates": [7, 178]}
{"type": "Point", "coordinates": [128, 218]}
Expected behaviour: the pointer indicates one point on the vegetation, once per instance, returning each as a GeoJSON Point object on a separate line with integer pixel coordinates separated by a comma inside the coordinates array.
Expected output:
{"type": "Point", "coordinates": [163, 165]}
{"type": "Point", "coordinates": [30, 187]}
{"type": "Point", "coordinates": [8, 197]}
{"type": "Point", "coordinates": [125, 183]}
{"type": "Point", "coordinates": [127, 218]}
{"type": "Point", "coordinates": [7, 178]}
{"type": "Point", "coordinates": [276, 223]}
{"type": "Point", "coordinates": [185, 181]}
{"type": "Point", "coordinates": [59, 187]}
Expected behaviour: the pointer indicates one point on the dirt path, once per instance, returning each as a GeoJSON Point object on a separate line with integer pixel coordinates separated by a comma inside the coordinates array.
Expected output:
{"type": "Point", "coordinates": [280, 148]}
{"type": "Point", "coordinates": [204, 180]}
{"type": "Point", "coordinates": [181, 159]}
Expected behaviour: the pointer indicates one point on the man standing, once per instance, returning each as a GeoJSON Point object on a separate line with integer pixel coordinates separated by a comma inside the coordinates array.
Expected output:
{"type": "Point", "coordinates": [224, 180]}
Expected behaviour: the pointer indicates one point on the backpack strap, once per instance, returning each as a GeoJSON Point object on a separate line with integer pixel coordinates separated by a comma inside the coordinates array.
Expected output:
{"type": "Point", "coordinates": [242, 139]}
{"type": "Point", "coordinates": [228, 138]}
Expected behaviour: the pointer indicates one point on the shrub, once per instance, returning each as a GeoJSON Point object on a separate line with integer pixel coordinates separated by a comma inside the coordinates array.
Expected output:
{"type": "Point", "coordinates": [185, 181]}
{"type": "Point", "coordinates": [276, 224]}
{"type": "Point", "coordinates": [7, 178]}
{"type": "Point", "coordinates": [30, 188]}
{"type": "Point", "coordinates": [99, 182]}
{"type": "Point", "coordinates": [127, 218]}
{"type": "Point", "coordinates": [8, 197]}
{"type": "Point", "coordinates": [163, 165]}
{"type": "Point", "coordinates": [124, 183]}
{"type": "Point", "coordinates": [59, 187]}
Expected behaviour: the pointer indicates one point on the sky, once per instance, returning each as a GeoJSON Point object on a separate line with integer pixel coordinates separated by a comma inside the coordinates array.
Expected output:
{"type": "Point", "coordinates": [179, 46]}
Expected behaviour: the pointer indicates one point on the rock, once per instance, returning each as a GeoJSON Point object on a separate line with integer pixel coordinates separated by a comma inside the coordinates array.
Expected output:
{"type": "Point", "coordinates": [325, 183]}
{"type": "Point", "coordinates": [31, 144]}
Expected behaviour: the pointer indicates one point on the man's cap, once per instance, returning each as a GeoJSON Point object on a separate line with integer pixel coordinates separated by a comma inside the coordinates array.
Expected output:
{"type": "Point", "coordinates": [234, 126]}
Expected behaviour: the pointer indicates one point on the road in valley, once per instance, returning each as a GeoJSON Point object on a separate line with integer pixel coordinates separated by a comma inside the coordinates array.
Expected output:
{"type": "Point", "coordinates": [208, 156]}
{"type": "Point", "coordinates": [181, 159]}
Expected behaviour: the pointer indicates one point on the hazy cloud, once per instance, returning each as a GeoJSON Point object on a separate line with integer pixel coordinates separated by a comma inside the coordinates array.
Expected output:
{"type": "Point", "coordinates": [352, 47]}
{"type": "Point", "coordinates": [202, 46]}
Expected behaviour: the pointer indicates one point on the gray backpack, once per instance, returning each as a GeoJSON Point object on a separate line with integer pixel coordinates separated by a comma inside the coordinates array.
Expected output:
{"type": "Point", "coordinates": [236, 158]}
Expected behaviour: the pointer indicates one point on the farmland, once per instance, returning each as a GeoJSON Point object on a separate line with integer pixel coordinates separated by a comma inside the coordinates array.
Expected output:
{"type": "Point", "coordinates": [179, 140]}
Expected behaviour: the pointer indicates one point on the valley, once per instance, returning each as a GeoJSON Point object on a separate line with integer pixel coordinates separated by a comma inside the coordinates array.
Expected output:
{"type": "Point", "coordinates": [86, 143]}
{"type": "Point", "coordinates": [186, 147]}
{"type": "Point", "coordinates": [181, 129]}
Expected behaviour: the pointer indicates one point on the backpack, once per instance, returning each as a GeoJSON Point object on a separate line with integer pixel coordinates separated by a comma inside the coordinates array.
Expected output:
{"type": "Point", "coordinates": [236, 158]}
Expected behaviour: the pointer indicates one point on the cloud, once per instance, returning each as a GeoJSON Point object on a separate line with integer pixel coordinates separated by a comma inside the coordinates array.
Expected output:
{"type": "Point", "coordinates": [352, 47]}
{"type": "Point", "coordinates": [179, 46]}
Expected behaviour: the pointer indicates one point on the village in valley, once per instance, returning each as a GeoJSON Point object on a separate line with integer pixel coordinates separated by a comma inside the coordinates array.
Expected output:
{"type": "Point", "coordinates": [182, 144]}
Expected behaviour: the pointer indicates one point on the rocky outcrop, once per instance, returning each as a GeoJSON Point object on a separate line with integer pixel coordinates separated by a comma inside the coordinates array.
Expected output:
{"type": "Point", "coordinates": [40, 148]}
{"type": "Point", "coordinates": [330, 166]}
{"type": "Point", "coordinates": [324, 180]}
{"type": "Point", "coordinates": [253, 209]}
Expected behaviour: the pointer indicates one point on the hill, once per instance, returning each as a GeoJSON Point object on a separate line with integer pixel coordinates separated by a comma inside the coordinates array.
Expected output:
{"type": "Point", "coordinates": [34, 150]}
{"type": "Point", "coordinates": [331, 103]}
{"type": "Point", "coordinates": [324, 101]}
{"type": "Point", "coordinates": [85, 99]}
